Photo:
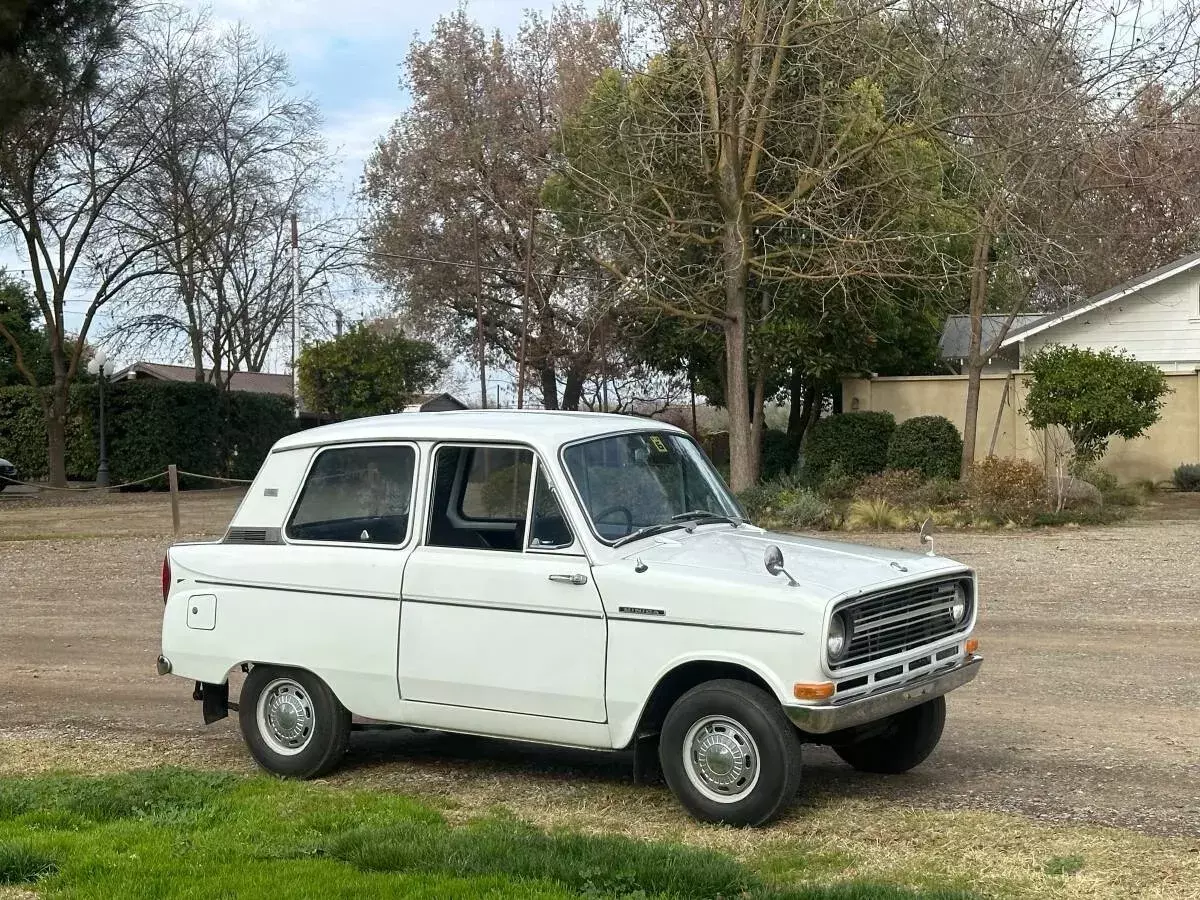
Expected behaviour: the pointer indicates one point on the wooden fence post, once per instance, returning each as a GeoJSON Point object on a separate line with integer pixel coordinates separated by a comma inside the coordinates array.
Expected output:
{"type": "Point", "coordinates": [173, 484]}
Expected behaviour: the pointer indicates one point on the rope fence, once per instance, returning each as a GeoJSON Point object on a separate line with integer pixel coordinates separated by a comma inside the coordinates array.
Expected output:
{"type": "Point", "coordinates": [171, 474]}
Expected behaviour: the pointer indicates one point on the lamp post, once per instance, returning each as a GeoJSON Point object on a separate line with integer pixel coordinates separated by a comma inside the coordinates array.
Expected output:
{"type": "Point", "coordinates": [102, 367]}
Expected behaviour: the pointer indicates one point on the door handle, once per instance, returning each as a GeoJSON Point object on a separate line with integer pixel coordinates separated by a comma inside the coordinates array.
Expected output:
{"type": "Point", "coordinates": [569, 579]}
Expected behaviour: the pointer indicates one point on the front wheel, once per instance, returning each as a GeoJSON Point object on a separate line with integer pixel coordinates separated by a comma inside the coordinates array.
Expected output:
{"type": "Point", "coordinates": [906, 740]}
{"type": "Point", "coordinates": [729, 754]}
{"type": "Point", "coordinates": [292, 722]}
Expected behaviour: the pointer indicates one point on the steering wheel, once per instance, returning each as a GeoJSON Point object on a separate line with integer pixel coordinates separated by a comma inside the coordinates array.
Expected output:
{"type": "Point", "coordinates": [623, 510]}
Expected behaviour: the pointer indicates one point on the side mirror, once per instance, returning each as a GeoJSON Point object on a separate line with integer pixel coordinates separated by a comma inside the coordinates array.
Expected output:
{"type": "Point", "coordinates": [926, 534]}
{"type": "Point", "coordinates": [773, 562]}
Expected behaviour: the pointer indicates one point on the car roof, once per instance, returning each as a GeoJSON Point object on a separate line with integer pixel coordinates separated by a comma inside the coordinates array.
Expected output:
{"type": "Point", "coordinates": [542, 428]}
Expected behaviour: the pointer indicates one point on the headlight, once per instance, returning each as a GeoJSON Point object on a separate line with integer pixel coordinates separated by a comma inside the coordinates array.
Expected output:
{"type": "Point", "coordinates": [958, 606]}
{"type": "Point", "coordinates": [839, 637]}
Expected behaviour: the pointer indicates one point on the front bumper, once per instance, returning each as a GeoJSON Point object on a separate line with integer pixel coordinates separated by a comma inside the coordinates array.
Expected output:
{"type": "Point", "coordinates": [865, 708]}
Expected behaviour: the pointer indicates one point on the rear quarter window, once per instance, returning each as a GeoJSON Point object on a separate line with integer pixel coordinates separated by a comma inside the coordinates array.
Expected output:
{"type": "Point", "coordinates": [357, 495]}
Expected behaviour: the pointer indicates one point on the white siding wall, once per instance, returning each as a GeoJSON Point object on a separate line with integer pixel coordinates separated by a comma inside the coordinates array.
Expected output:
{"type": "Point", "coordinates": [1160, 324]}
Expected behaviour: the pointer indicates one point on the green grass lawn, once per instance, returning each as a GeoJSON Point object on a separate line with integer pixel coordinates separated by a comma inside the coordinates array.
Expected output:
{"type": "Point", "coordinates": [171, 833]}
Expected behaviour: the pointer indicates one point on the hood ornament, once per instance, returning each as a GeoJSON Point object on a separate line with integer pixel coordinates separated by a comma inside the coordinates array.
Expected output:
{"type": "Point", "coordinates": [773, 561]}
{"type": "Point", "coordinates": [926, 534]}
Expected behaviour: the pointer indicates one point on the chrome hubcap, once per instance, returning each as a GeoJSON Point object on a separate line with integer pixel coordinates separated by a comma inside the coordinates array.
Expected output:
{"type": "Point", "coordinates": [721, 759]}
{"type": "Point", "coordinates": [285, 716]}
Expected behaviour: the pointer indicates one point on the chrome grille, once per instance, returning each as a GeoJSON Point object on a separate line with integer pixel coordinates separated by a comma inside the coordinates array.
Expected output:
{"type": "Point", "coordinates": [901, 619]}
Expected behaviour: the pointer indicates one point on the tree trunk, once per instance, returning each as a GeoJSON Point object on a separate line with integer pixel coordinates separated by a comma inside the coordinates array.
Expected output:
{"type": "Point", "coordinates": [573, 390]}
{"type": "Point", "coordinates": [56, 433]}
{"type": "Point", "coordinates": [743, 454]}
{"type": "Point", "coordinates": [549, 388]}
{"type": "Point", "coordinates": [975, 358]}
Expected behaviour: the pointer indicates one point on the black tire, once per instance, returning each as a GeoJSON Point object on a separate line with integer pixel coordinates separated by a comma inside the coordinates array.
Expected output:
{"type": "Point", "coordinates": [316, 749]}
{"type": "Point", "coordinates": [904, 743]}
{"type": "Point", "coordinates": [763, 788]}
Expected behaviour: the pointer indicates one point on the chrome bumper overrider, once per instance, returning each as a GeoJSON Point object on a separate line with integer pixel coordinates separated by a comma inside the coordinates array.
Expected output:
{"type": "Point", "coordinates": [823, 718]}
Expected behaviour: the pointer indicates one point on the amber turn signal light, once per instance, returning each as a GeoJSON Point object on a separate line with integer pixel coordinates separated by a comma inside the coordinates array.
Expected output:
{"type": "Point", "coordinates": [972, 645]}
{"type": "Point", "coordinates": [822, 690]}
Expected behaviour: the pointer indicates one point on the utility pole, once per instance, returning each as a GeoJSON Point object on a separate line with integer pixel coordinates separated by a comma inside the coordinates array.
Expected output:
{"type": "Point", "coordinates": [525, 311]}
{"type": "Point", "coordinates": [296, 316]}
{"type": "Point", "coordinates": [479, 323]}
{"type": "Point", "coordinates": [337, 318]}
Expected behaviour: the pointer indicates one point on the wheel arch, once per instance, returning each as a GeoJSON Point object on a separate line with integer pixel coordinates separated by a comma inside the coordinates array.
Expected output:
{"type": "Point", "coordinates": [680, 678]}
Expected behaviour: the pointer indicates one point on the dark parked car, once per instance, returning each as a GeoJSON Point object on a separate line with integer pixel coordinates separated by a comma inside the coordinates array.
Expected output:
{"type": "Point", "coordinates": [8, 473]}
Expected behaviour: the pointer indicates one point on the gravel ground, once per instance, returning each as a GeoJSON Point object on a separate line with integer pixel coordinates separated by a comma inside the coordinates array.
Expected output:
{"type": "Point", "coordinates": [1087, 709]}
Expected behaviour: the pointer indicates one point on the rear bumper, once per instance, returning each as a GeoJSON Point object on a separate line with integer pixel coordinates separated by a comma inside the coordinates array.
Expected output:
{"type": "Point", "coordinates": [834, 716]}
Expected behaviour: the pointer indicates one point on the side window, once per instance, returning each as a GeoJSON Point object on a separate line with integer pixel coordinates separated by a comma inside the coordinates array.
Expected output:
{"type": "Point", "coordinates": [356, 495]}
{"type": "Point", "coordinates": [480, 498]}
{"type": "Point", "coordinates": [550, 529]}
{"type": "Point", "coordinates": [497, 483]}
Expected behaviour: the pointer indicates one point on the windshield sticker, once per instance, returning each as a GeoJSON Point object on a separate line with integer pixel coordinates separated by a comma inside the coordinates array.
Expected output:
{"type": "Point", "coordinates": [657, 443]}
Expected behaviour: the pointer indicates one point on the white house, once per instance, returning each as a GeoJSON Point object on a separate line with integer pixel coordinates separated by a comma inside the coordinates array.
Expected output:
{"type": "Point", "coordinates": [1154, 317]}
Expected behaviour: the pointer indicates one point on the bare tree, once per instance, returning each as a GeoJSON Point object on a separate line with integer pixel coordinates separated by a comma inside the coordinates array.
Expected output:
{"type": "Point", "coordinates": [1039, 86]}
{"type": "Point", "coordinates": [64, 171]}
{"type": "Point", "coordinates": [460, 177]}
{"type": "Point", "coordinates": [241, 153]}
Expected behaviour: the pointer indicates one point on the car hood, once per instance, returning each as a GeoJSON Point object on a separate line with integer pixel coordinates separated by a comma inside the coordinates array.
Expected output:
{"type": "Point", "coordinates": [4, 462]}
{"type": "Point", "coordinates": [825, 568]}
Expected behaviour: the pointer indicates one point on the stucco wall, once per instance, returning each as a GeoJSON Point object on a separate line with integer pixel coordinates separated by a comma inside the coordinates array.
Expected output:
{"type": "Point", "coordinates": [1173, 440]}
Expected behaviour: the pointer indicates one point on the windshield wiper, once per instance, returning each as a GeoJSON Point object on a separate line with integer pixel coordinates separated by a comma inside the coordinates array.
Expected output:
{"type": "Point", "coordinates": [696, 516]}
{"type": "Point", "coordinates": [648, 531]}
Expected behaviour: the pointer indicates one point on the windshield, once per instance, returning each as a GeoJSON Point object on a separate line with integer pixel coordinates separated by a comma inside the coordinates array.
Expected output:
{"type": "Point", "coordinates": [628, 482]}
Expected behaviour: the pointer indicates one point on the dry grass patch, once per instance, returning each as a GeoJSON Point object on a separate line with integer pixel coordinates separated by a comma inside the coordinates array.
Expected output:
{"type": "Point", "coordinates": [994, 855]}
{"type": "Point", "coordinates": [78, 517]}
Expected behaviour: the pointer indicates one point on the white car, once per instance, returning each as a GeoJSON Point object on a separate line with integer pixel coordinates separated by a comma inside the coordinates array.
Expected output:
{"type": "Point", "coordinates": [575, 579]}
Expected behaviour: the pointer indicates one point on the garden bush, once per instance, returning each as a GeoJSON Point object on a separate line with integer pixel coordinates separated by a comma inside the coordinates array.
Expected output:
{"type": "Point", "coordinates": [1007, 490]}
{"type": "Point", "coordinates": [897, 486]}
{"type": "Point", "coordinates": [1187, 477]}
{"type": "Point", "coordinates": [254, 422]}
{"type": "Point", "coordinates": [940, 492]}
{"type": "Point", "coordinates": [929, 444]}
{"type": "Point", "coordinates": [802, 509]}
{"type": "Point", "coordinates": [837, 483]}
{"type": "Point", "coordinates": [859, 441]}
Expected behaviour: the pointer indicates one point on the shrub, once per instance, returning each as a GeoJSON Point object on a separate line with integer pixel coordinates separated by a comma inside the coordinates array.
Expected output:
{"type": "Point", "coordinates": [1007, 489]}
{"type": "Point", "coordinates": [1187, 477]}
{"type": "Point", "coordinates": [802, 509]}
{"type": "Point", "coordinates": [1095, 396]}
{"type": "Point", "coordinates": [939, 492]}
{"type": "Point", "coordinates": [929, 444]}
{"type": "Point", "coordinates": [837, 484]}
{"type": "Point", "coordinates": [755, 500]}
{"type": "Point", "coordinates": [897, 486]}
{"type": "Point", "coordinates": [778, 454]}
{"type": "Point", "coordinates": [874, 515]}
{"type": "Point", "coordinates": [859, 441]}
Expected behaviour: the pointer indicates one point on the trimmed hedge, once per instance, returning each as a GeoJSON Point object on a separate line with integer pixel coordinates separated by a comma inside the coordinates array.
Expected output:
{"type": "Point", "coordinates": [858, 441]}
{"type": "Point", "coordinates": [150, 425]}
{"type": "Point", "coordinates": [23, 432]}
{"type": "Point", "coordinates": [930, 445]}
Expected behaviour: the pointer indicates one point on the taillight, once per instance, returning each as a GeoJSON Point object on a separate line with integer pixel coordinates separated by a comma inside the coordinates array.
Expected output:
{"type": "Point", "coordinates": [166, 577]}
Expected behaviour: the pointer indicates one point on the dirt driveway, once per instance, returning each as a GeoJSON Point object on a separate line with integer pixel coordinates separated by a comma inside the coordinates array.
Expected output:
{"type": "Point", "coordinates": [1087, 710]}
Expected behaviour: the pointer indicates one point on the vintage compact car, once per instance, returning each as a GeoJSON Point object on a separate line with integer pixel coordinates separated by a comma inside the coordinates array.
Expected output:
{"type": "Point", "coordinates": [574, 579]}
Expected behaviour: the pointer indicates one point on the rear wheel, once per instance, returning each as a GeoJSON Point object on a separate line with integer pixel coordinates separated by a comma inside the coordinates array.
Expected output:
{"type": "Point", "coordinates": [292, 722]}
{"type": "Point", "coordinates": [906, 740]}
{"type": "Point", "coordinates": [730, 754]}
